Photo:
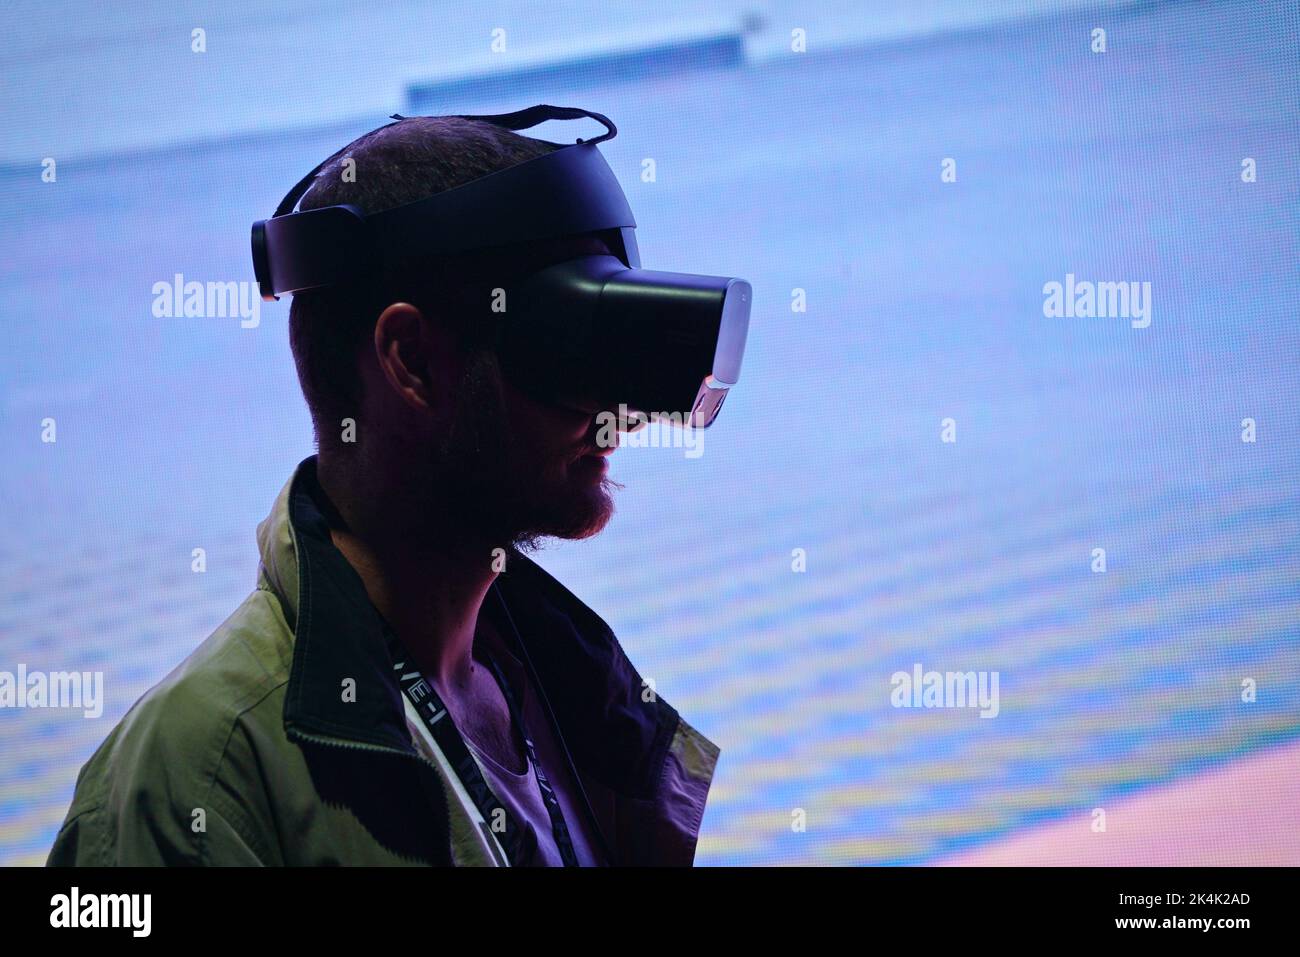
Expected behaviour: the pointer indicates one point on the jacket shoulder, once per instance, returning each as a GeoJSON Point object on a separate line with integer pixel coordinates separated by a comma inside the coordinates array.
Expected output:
{"type": "Point", "coordinates": [166, 785]}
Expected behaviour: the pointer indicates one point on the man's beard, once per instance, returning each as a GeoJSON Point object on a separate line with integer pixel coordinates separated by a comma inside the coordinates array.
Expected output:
{"type": "Point", "coordinates": [495, 486]}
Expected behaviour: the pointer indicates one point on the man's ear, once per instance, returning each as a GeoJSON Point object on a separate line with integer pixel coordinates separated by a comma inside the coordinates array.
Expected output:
{"type": "Point", "coordinates": [414, 353]}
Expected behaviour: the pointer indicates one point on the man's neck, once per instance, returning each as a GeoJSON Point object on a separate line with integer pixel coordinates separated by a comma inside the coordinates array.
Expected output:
{"type": "Point", "coordinates": [429, 587]}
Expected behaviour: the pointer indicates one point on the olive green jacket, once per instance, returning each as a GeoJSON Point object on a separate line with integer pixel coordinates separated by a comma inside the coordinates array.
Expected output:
{"type": "Point", "coordinates": [249, 752]}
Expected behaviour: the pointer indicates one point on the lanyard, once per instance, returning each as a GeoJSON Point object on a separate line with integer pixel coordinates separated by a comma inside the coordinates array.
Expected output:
{"type": "Point", "coordinates": [438, 720]}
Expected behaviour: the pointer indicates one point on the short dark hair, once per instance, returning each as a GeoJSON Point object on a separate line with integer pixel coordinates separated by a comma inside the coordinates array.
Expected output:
{"type": "Point", "coordinates": [395, 165]}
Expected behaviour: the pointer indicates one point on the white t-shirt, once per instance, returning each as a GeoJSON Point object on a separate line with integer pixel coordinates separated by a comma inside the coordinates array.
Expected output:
{"type": "Point", "coordinates": [519, 793]}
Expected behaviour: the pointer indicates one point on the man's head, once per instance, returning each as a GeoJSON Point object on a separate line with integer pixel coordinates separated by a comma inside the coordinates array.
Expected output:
{"type": "Point", "coordinates": [408, 356]}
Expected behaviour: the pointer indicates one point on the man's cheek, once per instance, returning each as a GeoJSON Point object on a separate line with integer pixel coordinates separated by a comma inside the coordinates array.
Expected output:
{"type": "Point", "coordinates": [535, 463]}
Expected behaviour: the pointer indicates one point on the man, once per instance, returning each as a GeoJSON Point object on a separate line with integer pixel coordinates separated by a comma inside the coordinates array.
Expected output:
{"type": "Point", "coordinates": [404, 685]}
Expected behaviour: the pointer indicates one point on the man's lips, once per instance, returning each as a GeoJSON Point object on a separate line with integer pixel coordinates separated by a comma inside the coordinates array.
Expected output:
{"type": "Point", "coordinates": [594, 454]}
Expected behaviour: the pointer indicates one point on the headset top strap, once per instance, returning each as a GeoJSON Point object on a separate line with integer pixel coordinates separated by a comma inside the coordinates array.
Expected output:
{"type": "Point", "coordinates": [533, 115]}
{"type": "Point", "coordinates": [518, 120]}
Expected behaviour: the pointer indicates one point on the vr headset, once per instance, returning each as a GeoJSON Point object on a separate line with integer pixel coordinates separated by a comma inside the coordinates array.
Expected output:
{"type": "Point", "coordinates": [663, 344]}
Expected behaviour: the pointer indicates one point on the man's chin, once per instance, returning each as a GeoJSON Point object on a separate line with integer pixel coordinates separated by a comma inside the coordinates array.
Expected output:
{"type": "Point", "coordinates": [578, 511]}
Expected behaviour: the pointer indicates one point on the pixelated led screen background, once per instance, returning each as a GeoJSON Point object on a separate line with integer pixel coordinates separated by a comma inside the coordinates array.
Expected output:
{"type": "Point", "coordinates": [925, 464]}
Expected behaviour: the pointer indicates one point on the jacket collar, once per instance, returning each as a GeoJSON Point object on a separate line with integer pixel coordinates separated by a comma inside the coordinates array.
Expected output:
{"type": "Point", "coordinates": [612, 733]}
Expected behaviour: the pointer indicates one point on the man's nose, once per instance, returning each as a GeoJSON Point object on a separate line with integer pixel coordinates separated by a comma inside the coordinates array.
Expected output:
{"type": "Point", "coordinates": [602, 411]}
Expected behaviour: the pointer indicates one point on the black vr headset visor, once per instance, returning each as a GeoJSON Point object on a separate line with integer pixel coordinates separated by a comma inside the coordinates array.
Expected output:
{"type": "Point", "coordinates": [597, 326]}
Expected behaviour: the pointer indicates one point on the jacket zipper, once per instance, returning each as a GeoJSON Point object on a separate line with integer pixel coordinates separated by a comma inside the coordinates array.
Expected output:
{"type": "Point", "coordinates": [345, 745]}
